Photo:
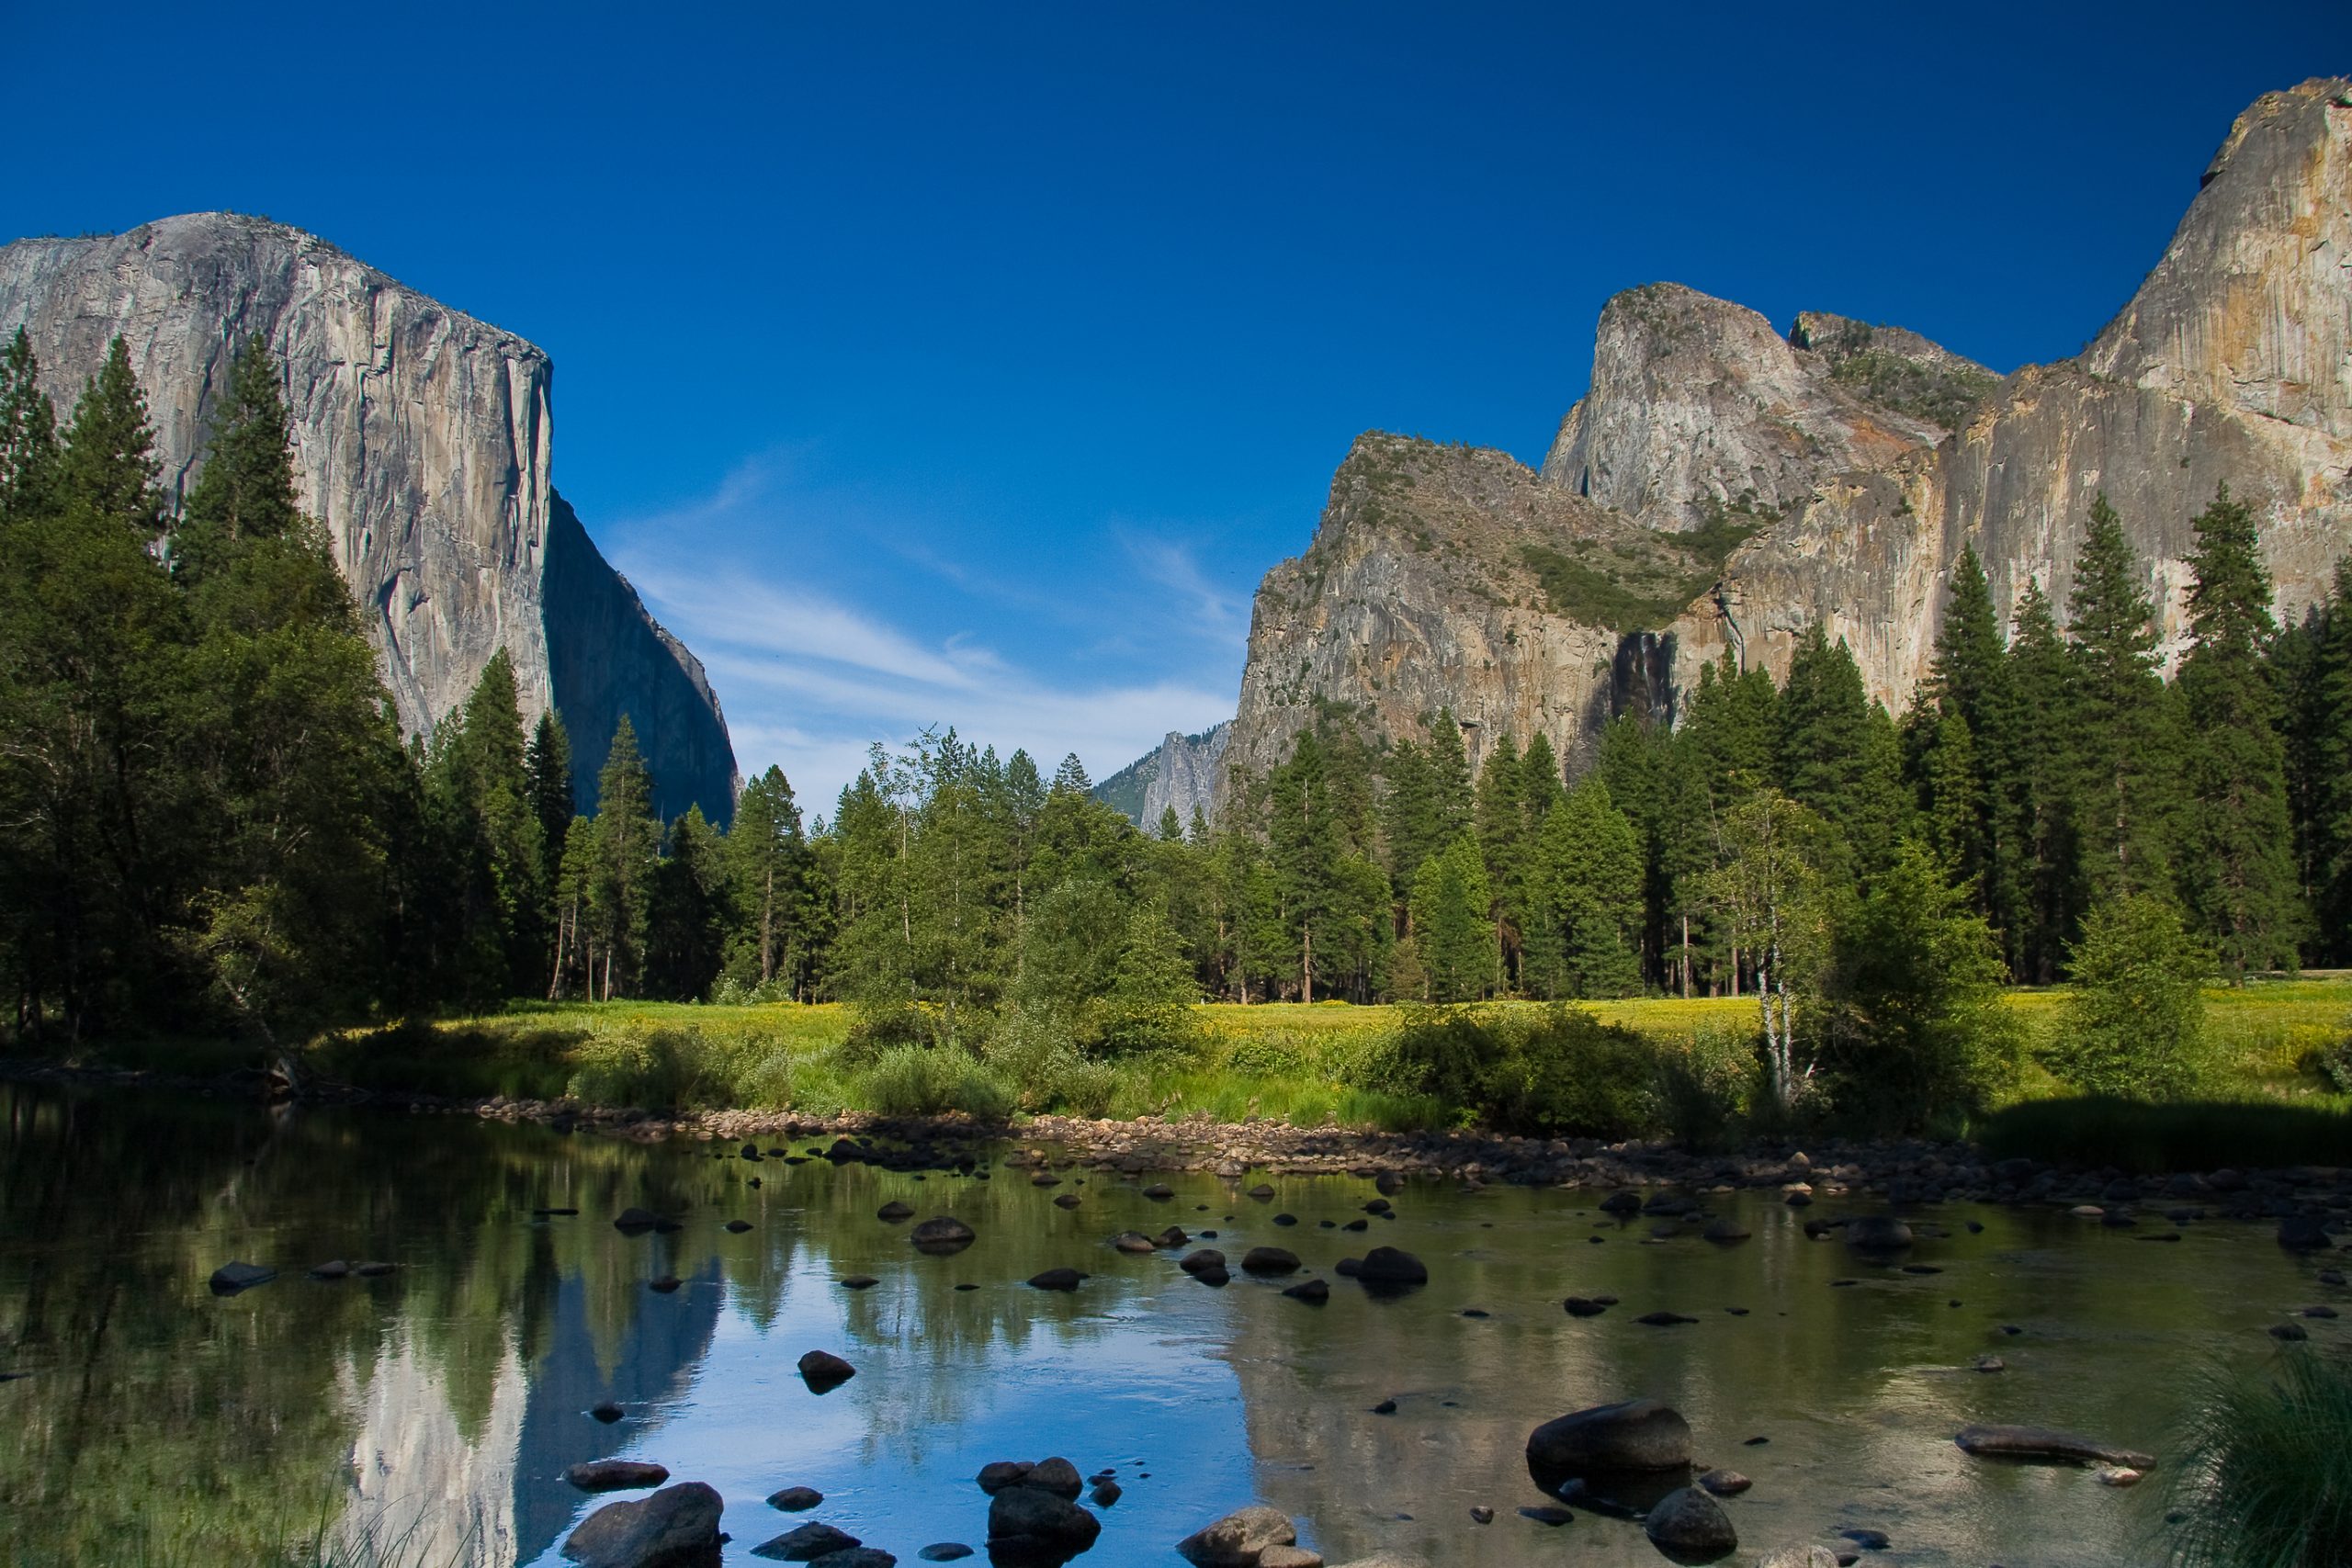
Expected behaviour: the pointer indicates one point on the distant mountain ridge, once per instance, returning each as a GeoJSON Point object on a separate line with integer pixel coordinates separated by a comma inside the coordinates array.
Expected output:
{"type": "Point", "coordinates": [1722, 485]}
{"type": "Point", "coordinates": [424, 440]}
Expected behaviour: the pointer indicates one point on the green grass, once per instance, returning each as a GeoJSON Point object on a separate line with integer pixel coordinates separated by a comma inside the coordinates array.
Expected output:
{"type": "Point", "coordinates": [2264, 1477]}
{"type": "Point", "coordinates": [1301, 1064]}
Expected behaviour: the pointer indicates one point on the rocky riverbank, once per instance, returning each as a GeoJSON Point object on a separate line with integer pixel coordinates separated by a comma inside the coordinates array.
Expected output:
{"type": "Point", "coordinates": [2312, 1203]}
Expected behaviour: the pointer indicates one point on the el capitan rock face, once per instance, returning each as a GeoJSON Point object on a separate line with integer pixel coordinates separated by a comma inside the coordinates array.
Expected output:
{"type": "Point", "coordinates": [423, 440]}
{"type": "Point", "coordinates": [1834, 474]}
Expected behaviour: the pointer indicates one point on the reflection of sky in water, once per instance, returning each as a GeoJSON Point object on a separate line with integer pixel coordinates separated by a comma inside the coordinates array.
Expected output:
{"type": "Point", "coordinates": [460, 1387]}
{"type": "Point", "coordinates": [895, 1449]}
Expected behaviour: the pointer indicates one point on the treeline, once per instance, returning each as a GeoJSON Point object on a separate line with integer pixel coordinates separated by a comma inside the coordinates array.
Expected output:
{"type": "Point", "coordinates": [209, 820]}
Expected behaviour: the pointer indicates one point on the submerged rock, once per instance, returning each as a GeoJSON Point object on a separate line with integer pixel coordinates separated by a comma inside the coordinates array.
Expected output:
{"type": "Point", "coordinates": [614, 1475]}
{"type": "Point", "coordinates": [1391, 1266]}
{"type": "Point", "coordinates": [2043, 1443]}
{"type": "Point", "coordinates": [1058, 1280]}
{"type": "Point", "coordinates": [1877, 1233]}
{"type": "Point", "coordinates": [1690, 1527]}
{"type": "Point", "coordinates": [1635, 1434]}
{"type": "Point", "coordinates": [806, 1543]}
{"type": "Point", "coordinates": [796, 1499]}
{"type": "Point", "coordinates": [1269, 1261]}
{"type": "Point", "coordinates": [231, 1277]}
{"type": "Point", "coordinates": [823, 1372]}
{"type": "Point", "coordinates": [675, 1527]}
{"type": "Point", "coordinates": [941, 1235]}
{"type": "Point", "coordinates": [1030, 1525]}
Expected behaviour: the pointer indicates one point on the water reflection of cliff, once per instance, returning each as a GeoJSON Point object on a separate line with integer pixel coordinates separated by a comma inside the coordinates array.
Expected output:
{"type": "Point", "coordinates": [490, 1492]}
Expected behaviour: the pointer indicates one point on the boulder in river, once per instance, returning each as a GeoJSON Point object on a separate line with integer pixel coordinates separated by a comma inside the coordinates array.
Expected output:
{"type": "Point", "coordinates": [614, 1475]}
{"type": "Point", "coordinates": [1202, 1260]}
{"type": "Point", "coordinates": [1238, 1540]}
{"type": "Point", "coordinates": [891, 1213]}
{"type": "Point", "coordinates": [823, 1372]}
{"type": "Point", "coordinates": [1877, 1233]}
{"type": "Point", "coordinates": [1269, 1261]}
{"type": "Point", "coordinates": [1313, 1291]}
{"type": "Point", "coordinates": [945, 1551]}
{"type": "Point", "coordinates": [1057, 1476]}
{"type": "Point", "coordinates": [1134, 1241]}
{"type": "Point", "coordinates": [1031, 1525]}
{"type": "Point", "coordinates": [1056, 1280]}
{"type": "Point", "coordinates": [2046, 1445]}
{"type": "Point", "coordinates": [1724, 1231]}
{"type": "Point", "coordinates": [806, 1543]}
{"type": "Point", "coordinates": [338, 1269]}
{"type": "Point", "coordinates": [941, 1235]}
{"type": "Point", "coordinates": [1584, 1306]}
{"type": "Point", "coordinates": [675, 1527]}
{"type": "Point", "coordinates": [796, 1499]}
{"type": "Point", "coordinates": [1635, 1434]}
{"type": "Point", "coordinates": [636, 1222]}
{"type": "Point", "coordinates": [231, 1277]}
{"type": "Point", "coordinates": [1690, 1527]}
{"type": "Point", "coordinates": [2303, 1233]}
{"type": "Point", "coordinates": [1392, 1267]}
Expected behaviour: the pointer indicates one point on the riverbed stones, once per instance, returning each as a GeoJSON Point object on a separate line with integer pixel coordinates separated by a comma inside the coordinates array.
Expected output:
{"type": "Point", "coordinates": [1626, 1203]}
{"type": "Point", "coordinates": [1107, 1492]}
{"type": "Point", "coordinates": [1057, 1476]}
{"type": "Point", "coordinates": [1663, 1319]}
{"type": "Point", "coordinates": [1725, 1232]}
{"type": "Point", "coordinates": [1173, 1236]}
{"type": "Point", "coordinates": [2303, 1233]}
{"type": "Point", "coordinates": [1877, 1233]}
{"type": "Point", "coordinates": [1688, 1524]}
{"type": "Point", "coordinates": [608, 1411]}
{"type": "Point", "coordinates": [2116, 1476]}
{"type": "Point", "coordinates": [1239, 1540]}
{"type": "Point", "coordinates": [1290, 1557]}
{"type": "Point", "coordinates": [737, 1227]}
{"type": "Point", "coordinates": [1801, 1554]}
{"type": "Point", "coordinates": [891, 1213]}
{"type": "Point", "coordinates": [1313, 1291]}
{"type": "Point", "coordinates": [675, 1527]}
{"type": "Point", "coordinates": [636, 1222]}
{"type": "Point", "coordinates": [806, 1543]}
{"type": "Point", "coordinates": [616, 1474]}
{"type": "Point", "coordinates": [945, 1551]}
{"type": "Point", "coordinates": [1269, 1261]}
{"type": "Point", "coordinates": [855, 1557]}
{"type": "Point", "coordinates": [1725, 1483]}
{"type": "Point", "coordinates": [1160, 1191]}
{"type": "Point", "coordinates": [823, 1372]}
{"type": "Point", "coordinates": [796, 1499]}
{"type": "Point", "coordinates": [1202, 1259]}
{"type": "Point", "coordinates": [1584, 1306]}
{"type": "Point", "coordinates": [1029, 1523]}
{"type": "Point", "coordinates": [1067, 1201]}
{"type": "Point", "coordinates": [337, 1269]}
{"type": "Point", "coordinates": [1632, 1434]}
{"type": "Point", "coordinates": [858, 1282]}
{"type": "Point", "coordinates": [1056, 1280]}
{"type": "Point", "coordinates": [664, 1284]}
{"type": "Point", "coordinates": [1134, 1242]}
{"type": "Point", "coordinates": [1392, 1267]}
{"type": "Point", "coordinates": [942, 1234]}
{"type": "Point", "coordinates": [231, 1277]}
{"type": "Point", "coordinates": [2047, 1444]}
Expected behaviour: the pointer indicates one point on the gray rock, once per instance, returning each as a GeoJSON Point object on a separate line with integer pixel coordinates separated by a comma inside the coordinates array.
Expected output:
{"type": "Point", "coordinates": [1057, 1476]}
{"type": "Point", "coordinates": [614, 1475]}
{"type": "Point", "coordinates": [1134, 1242]}
{"type": "Point", "coordinates": [1633, 1435]}
{"type": "Point", "coordinates": [2046, 1443]}
{"type": "Point", "coordinates": [806, 1543]}
{"type": "Point", "coordinates": [945, 1551]}
{"type": "Point", "coordinates": [855, 1557]}
{"type": "Point", "coordinates": [1178, 776]}
{"type": "Point", "coordinates": [675, 1527]}
{"type": "Point", "coordinates": [796, 1499]}
{"type": "Point", "coordinates": [424, 440]}
{"type": "Point", "coordinates": [1691, 1524]}
{"type": "Point", "coordinates": [1801, 1555]}
{"type": "Point", "coordinates": [1236, 1541]}
{"type": "Point", "coordinates": [1200, 1259]}
{"type": "Point", "coordinates": [941, 1233]}
{"type": "Point", "coordinates": [1725, 1483]}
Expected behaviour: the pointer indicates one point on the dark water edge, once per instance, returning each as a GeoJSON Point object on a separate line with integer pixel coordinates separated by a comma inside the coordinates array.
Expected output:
{"type": "Point", "coordinates": [158, 1422]}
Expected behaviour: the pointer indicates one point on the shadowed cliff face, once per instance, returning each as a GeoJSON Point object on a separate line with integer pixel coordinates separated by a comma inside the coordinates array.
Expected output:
{"type": "Point", "coordinates": [1843, 469]}
{"type": "Point", "coordinates": [423, 440]}
{"type": "Point", "coordinates": [1179, 774]}
{"type": "Point", "coordinates": [607, 657]}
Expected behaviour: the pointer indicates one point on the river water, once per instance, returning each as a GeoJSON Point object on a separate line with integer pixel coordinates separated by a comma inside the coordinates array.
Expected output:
{"type": "Point", "coordinates": [152, 1422]}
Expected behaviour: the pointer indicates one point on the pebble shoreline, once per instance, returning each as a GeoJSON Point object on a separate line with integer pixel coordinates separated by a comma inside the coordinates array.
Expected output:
{"type": "Point", "coordinates": [1897, 1171]}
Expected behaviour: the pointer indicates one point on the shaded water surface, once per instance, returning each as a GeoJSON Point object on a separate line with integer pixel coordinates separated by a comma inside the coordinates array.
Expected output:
{"type": "Point", "coordinates": [157, 1423]}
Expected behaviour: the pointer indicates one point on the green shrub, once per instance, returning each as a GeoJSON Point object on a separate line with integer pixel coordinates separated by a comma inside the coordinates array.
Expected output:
{"type": "Point", "coordinates": [1705, 1087]}
{"type": "Point", "coordinates": [916, 1080]}
{"type": "Point", "coordinates": [1549, 1070]}
{"type": "Point", "coordinates": [635, 1066]}
{"type": "Point", "coordinates": [764, 1083]}
{"type": "Point", "coordinates": [2134, 1025]}
{"type": "Point", "coordinates": [2265, 1477]}
{"type": "Point", "coordinates": [877, 1028]}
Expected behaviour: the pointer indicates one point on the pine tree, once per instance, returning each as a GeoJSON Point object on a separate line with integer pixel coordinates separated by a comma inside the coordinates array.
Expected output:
{"type": "Point", "coordinates": [1453, 933]}
{"type": "Point", "coordinates": [1450, 788]}
{"type": "Point", "coordinates": [2326, 729]}
{"type": "Point", "coordinates": [547, 761]}
{"type": "Point", "coordinates": [624, 851]}
{"type": "Point", "coordinates": [1305, 851]}
{"type": "Point", "coordinates": [2039, 676]}
{"type": "Point", "coordinates": [28, 434]}
{"type": "Point", "coordinates": [1504, 839]}
{"type": "Point", "coordinates": [1540, 784]}
{"type": "Point", "coordinates": [1734, 728]}
{"type": "Point", "coordinates": [245, 491]}
{"type": "Point", "coordinates": [1834, 759]}
{"type": "Point", "coordinates": [1970, 678]}
{"type": "Point", "coordinates": [108, 463]}
{"type": "Point", "coordinates": [2120, 749]}
{"type": "Point", "coordinates": [686, 911]}
{"type": "Point", "coordinates": [1587, 899]}
{"type": "Point", "coordinates": [2237, 871]}
{"type": "Point", "coordinates": [1070, 777]}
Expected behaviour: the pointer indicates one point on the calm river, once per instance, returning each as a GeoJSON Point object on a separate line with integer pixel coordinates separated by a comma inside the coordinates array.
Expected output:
{"type": "Point", "coordinates": [150, 1422]}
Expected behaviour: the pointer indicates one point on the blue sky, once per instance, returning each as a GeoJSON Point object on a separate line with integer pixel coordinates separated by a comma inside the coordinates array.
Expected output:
{"type": "Point", "coordinates": [932, 363]}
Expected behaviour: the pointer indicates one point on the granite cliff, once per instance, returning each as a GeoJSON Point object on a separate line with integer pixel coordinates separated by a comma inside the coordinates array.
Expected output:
{"type": "Point", "coordinates": [1724, 484]}
{"type": "Point", "coordinates": [1180, 775]}
{"type": "Point", "coordinates": [423, 440]}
